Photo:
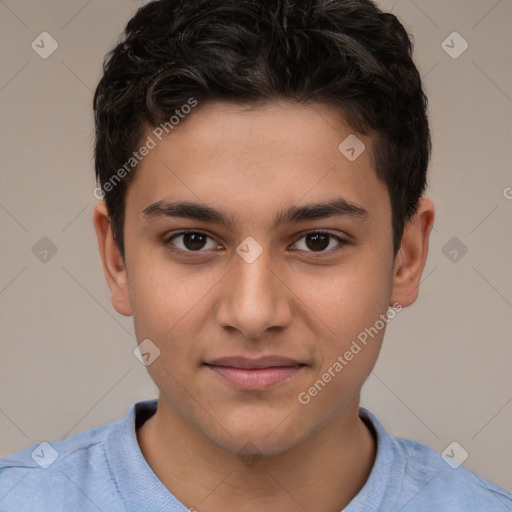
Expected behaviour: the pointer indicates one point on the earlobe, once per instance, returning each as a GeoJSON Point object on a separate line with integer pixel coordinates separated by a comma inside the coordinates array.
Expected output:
{"type": "Point", "coordinates": [412, 255]}
{"type": "Point", "coordinates": [112, 261]}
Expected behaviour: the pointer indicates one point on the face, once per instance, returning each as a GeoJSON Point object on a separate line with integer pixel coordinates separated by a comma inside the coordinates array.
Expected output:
{"type": "Point", "coordinates": [287, 253]}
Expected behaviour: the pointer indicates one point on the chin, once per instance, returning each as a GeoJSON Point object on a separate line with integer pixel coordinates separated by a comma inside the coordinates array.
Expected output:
{"type": "Point", "coordinates": [257, 438]}
{"type": "Point", "coordinates": [254, 446]}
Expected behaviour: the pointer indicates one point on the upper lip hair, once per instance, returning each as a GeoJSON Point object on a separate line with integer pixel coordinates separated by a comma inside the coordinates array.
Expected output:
{"type": "Point", "coordinates": [247, 363]}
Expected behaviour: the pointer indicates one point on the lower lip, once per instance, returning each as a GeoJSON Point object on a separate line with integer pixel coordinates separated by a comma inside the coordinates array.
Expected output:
{"type": "Point", "coordinates": [256, 379]}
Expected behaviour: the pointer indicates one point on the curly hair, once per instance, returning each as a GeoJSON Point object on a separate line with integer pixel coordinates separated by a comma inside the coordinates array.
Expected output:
{"type": "Point", "coordinates": [344, 53]}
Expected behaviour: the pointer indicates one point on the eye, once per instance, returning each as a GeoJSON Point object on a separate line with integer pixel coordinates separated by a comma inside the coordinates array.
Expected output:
{"type": "Point", "coordinates": [197, 242]}
{"type": "Point", "coordinates": [192, 241]}
{"type": "Point", "coordinates": [320, 241]}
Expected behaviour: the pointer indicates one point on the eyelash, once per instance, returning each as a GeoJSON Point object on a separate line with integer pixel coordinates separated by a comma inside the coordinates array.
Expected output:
{"type": "Point", "coordinates": [341, 242]}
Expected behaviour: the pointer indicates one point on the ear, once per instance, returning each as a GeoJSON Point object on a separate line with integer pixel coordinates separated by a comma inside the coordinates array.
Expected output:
{"type": "Point", "coordinates": [412, 255]}
{"type": "Point", "coordinates": [113, 265]}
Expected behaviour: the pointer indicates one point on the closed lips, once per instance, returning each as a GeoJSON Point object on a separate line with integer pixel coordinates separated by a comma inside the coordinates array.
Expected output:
{"type": "Point", "coordinates": [254, 364]}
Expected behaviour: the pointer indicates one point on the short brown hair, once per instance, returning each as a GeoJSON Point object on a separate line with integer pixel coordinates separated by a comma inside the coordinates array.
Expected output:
{"type": "Point", "coordinates": [345, 53]}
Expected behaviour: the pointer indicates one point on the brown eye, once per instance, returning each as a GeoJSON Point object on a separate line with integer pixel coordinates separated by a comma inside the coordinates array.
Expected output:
{"type": "Point", "coordinates": [320, 241]}
{"type": "Point", "coordinates": [194, 241]}
{"type": "Point", "coordinates": [191, 241]}
{"type": "Point", "coordinates": [317, 241]}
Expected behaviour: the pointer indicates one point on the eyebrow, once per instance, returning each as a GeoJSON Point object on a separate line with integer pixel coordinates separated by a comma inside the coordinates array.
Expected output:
{"type": "Point", "coordinates": [189, 210]}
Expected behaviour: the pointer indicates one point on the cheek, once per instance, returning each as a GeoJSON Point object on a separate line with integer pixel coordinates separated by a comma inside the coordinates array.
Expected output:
{"type": "Point", "coordinates": [346, 300]}
{"type": "Point", "coordinates": [165, 296]}
{"type": "Point", "coordinates": [348, 341]}
{"type": "Point", "coordinates": [171, 306]}
{"type": "Point", "coordinates": [343, 310]}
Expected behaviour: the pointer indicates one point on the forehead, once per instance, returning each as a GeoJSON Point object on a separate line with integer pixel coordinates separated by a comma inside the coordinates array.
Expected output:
{"type": "Point", "coordinates": [254, 160]}
{"type": "Point", "coordinates": [222, 128]}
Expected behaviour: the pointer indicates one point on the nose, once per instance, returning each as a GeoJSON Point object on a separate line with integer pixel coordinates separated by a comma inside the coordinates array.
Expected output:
{"type": "Point", "coordinates": [254, 297]}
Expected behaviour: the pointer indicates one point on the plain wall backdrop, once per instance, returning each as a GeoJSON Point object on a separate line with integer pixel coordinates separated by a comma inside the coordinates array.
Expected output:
{"type": "Point", "coordinates": [67, 361]}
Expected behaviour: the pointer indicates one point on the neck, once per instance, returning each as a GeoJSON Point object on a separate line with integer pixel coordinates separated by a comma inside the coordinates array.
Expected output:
{"type": "Point", "coordinates": [324, 472]}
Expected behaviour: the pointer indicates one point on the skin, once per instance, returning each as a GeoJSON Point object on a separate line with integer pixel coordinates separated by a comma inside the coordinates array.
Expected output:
{"type": "Point", "coordinates": [197, 306]}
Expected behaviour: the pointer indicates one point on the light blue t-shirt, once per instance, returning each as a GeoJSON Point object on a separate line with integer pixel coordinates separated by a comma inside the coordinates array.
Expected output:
{"type": "Point", "coordinates": [103, 469]}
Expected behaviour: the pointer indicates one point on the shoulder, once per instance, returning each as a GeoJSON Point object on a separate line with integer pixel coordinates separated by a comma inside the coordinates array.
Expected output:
{"type": "Point", "coordinates": [413, 477]}
{"type": "Point", "coordinates": [55, 454]}
{"type": "Point", "coordinates": [69, 472]}
{"type": "Point", "coordinates": [441, 483]}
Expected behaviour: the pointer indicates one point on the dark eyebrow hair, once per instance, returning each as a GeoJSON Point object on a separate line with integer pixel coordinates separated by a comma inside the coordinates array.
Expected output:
{"type": "Point", "coordinates": [189, 210]}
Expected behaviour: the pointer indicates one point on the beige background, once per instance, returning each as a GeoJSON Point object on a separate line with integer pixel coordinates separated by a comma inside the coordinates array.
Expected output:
{"type": "Point", "coordinates": [67, 360]}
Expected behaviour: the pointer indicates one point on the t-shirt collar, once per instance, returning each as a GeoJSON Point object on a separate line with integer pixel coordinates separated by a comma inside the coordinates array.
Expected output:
{"type": "Point", "coordinates": [141, 489]}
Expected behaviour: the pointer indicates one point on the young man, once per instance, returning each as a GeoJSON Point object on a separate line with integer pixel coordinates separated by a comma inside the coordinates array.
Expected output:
{"type": "Point", "coordinates": [263, 166]}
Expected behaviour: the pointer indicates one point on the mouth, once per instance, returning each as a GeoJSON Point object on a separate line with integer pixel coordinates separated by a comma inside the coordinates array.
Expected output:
{"type": "Point", "coordinates": [255, 374]}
